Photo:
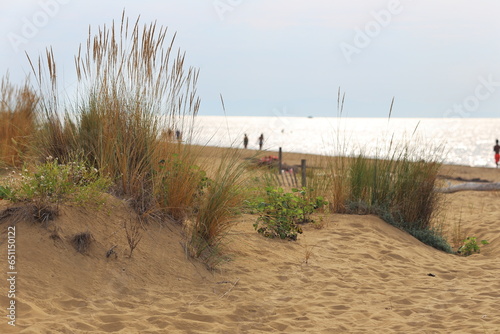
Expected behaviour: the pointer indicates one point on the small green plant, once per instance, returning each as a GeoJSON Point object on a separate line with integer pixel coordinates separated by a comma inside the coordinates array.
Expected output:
{"type": "Point", "coordinates": [5, 192]}
{"type": "Point", "coordinates": [471, 246]}
{"type": "Point", "coordinates": [281, 212]}
{"type": "Point", "coordinates": [55, 183]}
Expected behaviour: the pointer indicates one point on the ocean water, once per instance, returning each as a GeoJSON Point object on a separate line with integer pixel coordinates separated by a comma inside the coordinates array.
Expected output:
{"type": "Point", "coordinates": [456, 141]}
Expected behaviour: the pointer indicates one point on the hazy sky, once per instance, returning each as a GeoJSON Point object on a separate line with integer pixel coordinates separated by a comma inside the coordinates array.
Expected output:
{"type": "Point", "coordinates": [438, 58]}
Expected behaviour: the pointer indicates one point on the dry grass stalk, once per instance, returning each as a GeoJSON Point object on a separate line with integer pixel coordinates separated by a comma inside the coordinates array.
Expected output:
{"type": "Point", "coordinates": [222, 199]}
{"type": "Point", "coordinates": [44, 212]}
{"type": "Point", "coordinates": [458, 235]}
{"type": "Point", "coordinates": [178, 180]}
{"type": "Point", "coordinates": [82, 242]}
{"type": "Point", "coordinates": [134, 234]}
{"type": "Point", "coordinates": [308, 253]}
{"type": "Point", "coordinates": [230, 289]}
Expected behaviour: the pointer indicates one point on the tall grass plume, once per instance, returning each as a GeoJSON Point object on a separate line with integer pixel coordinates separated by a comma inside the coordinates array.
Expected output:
{"type": "Point", "coordinates": [17, 121]}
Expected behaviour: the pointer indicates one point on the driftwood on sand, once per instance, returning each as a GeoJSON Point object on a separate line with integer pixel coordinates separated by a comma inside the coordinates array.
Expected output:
{"type": "Point", "coordinates": [470, 186]}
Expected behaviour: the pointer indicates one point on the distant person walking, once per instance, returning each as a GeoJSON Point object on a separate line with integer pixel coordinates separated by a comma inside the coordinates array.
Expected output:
{"type": "Point", "coordinates": [261, 141]}
{"type": "Point", "coordinates": [245, 141]}
{"type": "Point", "coordinates": [496, 148]}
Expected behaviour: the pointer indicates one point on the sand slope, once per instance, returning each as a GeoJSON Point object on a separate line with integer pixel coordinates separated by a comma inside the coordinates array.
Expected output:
{"type": "Point", "coordinates": [356, 275]}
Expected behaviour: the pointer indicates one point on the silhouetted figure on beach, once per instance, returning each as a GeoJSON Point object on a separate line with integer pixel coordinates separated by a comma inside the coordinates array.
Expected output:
{"type": "Point", "coordinates": [170, 133]}
{"type": "Point", "coordinates": [245, 140]}
{"type": "Point", "coordinates": [261, 141]}
{"type": "Point", "coordinates": [496, 148]}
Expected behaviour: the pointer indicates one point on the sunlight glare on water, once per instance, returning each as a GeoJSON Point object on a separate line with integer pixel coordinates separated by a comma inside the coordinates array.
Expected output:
{"type": "Point", "coordinates": [457, 141]}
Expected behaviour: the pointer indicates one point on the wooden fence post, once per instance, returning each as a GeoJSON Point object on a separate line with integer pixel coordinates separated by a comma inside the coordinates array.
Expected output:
{"type": "Point", "coordinates": [303, 167]}
{"type": "Point", "coordinates": [280, 156]}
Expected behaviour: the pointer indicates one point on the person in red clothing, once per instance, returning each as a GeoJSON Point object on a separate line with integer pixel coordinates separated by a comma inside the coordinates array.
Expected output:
{"type": "Point", "coordinates": [496, 148]}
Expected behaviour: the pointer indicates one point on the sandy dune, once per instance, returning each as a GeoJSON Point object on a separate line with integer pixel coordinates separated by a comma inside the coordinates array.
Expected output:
{"type": "Point", "coordinates": [356, 275]}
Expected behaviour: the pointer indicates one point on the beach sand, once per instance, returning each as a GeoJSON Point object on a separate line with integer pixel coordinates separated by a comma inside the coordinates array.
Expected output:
{"type": "Point", "coordinates": [355, 275]}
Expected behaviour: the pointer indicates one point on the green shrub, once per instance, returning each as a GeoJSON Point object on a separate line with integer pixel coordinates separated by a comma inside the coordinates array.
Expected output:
{"type": "Point", "coordinates": [431, 238]}
{"type": "Point", "coordinates": [55, 183]}
{"type": "Point", "coordinates": [280, 212]}
{"type": "Point", "coordinates": [470, 246]}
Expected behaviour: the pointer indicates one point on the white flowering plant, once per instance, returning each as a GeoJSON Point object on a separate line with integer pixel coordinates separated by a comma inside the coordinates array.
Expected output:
{"type": "Point", "coordinates": [52, 182]}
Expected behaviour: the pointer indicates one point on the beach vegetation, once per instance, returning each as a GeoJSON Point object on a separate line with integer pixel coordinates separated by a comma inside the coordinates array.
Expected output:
{"type": "Point", "coordinates": [308, 252]}
{"type": "Point", "coordinates": [5, 192]}
{"type": "Point", "coordinates": [458, 234]}
{"type": "Point", "coordinates": [134, 233]}
{"type": "Point", "coordinates": [17, 121]}
{"type": "Point", "coordinates": [52, 182]}
{"type": "Point", "coordinates": [220, 199]}
{"type": "Point", "coordinates": [400, 190]}
{"type": "Point", "coordinates": [47, 185]}
{"type": "Point", "coordinates": [82, 241]}
{"type": "Point", "coordinates": [431, 237]}
{"type": "Point", "coordinates": [179, 183]}
{"type": "Point", "coordinates": [396, 183]}
{"type": "Point", "coordinates": [470, 246]}
{"type": "Point", "coordinates": [130, 124]}
{"type": "Point", "coordinates": [133, 93]}
{"type": "Point", "coordinates": [281, 213]}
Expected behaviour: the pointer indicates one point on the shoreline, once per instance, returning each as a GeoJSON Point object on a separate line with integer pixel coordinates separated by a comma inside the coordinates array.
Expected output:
{"type": "Point", "coordinates": [293, 158]}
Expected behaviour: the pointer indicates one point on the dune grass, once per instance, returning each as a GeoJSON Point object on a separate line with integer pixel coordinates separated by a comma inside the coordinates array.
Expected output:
{"type": "Point", "coordinates": [401, 184]}
{"type": "Point", "coordinates": [134, 92]}
{"type": "Point", "coordinates": [134, 87]}
{"type": "Point", "coordinates": [178, 181]}
{"type": "Point", "coordinates": [131, 87]}
{"type": "Point", "coordinates": [215, 213]}
{"type": "Point", "coordinates": [396, 184]}
{"type": "Point", "coordinates": [398, 187]}
{"type": "Point", "coordinates": [17, 121]}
